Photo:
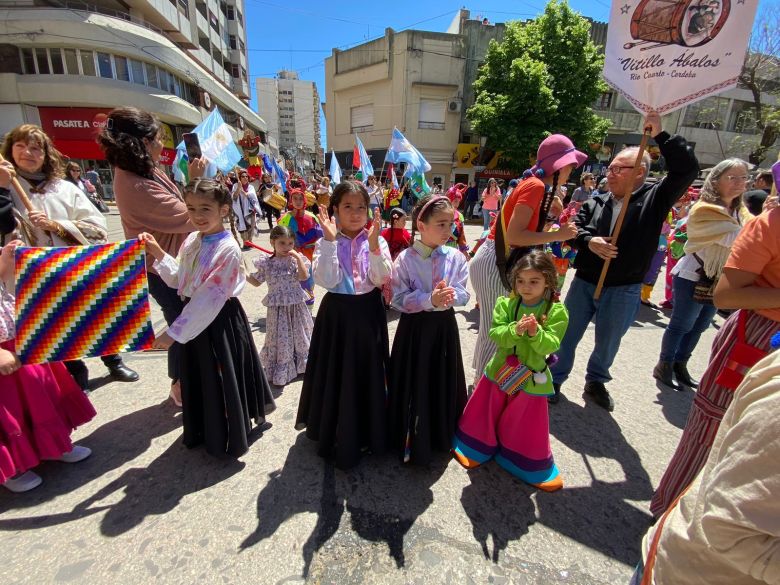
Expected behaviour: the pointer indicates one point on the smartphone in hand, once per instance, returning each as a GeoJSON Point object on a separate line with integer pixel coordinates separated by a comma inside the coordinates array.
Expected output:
{"type": "Point", "coordinates": [192, 144]}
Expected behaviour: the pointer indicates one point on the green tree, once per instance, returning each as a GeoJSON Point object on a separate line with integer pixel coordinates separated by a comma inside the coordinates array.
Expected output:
{"type": "Point", "coordinates": [540, 80]}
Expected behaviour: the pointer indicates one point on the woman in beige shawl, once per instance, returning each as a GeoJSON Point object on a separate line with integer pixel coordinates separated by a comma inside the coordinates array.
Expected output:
{"type": "Point", "coordinates": [713, 225]}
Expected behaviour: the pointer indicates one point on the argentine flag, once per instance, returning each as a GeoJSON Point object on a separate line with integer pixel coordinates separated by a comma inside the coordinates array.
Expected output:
{"type": "Point", "coordinates": [216, 144]}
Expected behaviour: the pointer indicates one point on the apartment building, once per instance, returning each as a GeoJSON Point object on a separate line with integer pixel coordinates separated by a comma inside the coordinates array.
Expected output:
{"type": "Point", "coordinates": [64, 64]}
{"type": "Point", "coordinates": [413, 80]}
{"type": "Point", "coordinates": [291, 109]}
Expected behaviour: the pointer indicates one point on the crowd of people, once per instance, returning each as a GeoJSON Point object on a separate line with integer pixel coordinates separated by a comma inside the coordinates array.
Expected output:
{"type": "Point", "coordinates": [361, 394]}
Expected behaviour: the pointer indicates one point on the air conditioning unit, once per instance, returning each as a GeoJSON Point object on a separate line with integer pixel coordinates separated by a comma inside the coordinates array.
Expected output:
{"type": "Point", "coordinates": [454, 106]}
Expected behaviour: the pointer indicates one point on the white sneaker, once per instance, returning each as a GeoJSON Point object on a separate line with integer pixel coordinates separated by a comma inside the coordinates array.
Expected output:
{"type": "Point", "coordinates": [24, 482]}
{"type": "Point", "coordinates": [78, 453]}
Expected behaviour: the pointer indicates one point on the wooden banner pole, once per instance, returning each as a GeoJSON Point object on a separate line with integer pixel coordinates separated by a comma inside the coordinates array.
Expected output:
{"type": "Point", "coordinates": [19, 191]}
{"type": "Point", "coordinates": [623, 209]}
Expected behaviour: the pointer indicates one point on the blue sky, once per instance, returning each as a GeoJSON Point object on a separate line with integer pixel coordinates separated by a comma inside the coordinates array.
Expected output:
{"type": "Point", "coordinates": [300, 34]}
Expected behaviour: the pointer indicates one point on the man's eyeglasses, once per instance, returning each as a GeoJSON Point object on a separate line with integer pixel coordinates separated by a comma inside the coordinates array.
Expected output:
{"type": "Point", "coordinates": [617, 170]}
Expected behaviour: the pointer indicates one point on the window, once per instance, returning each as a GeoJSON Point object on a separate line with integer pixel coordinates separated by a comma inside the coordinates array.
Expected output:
{"type": "Point", "coordinates": [177, 87]}
{"type": "Point", "coordinates": [28, 60]}
{"type": "Point", "coordinates": [104, 65]}
{"type": "Point", "coordinates": [241, 46]}
{"type": "Point", "coordinates": [239, 17]}
{"type": "Point", "coordinates": [137, 69]}
{"type": "Point", "coordinates": [231, 13]}
{"type": "Point", "coordinates": [604, 101]}
{"type": "Point", "coordinates": [235, 71]}
{"type": "Point", "coordinates": [742, 118]}
{"type": "Point", "coordinates": [87, 63]}
{"type": "Point", "coordinates": [243, 73]}
{"type": "Point", "coordinates": [223, 8]}
{"type": "Point", "coordinates": [71, 61]}
{"type": "Point", "coordinates": [214, 21]}
{"type": "Point", "coordinates": [432, 114]}
{"type": "Point", "coordinates": [232, 41]}
{"type": "Point", "coordinates": [151, 75]}
{"type": "Point", "coordinates": [56, 61]}
{"type": "Point", "coordinates": [43, 61]}
{"type": "Point", "coordinates": [120, 64]}
{"type": "Point", "coordinates": [204, 44]}
{"type": "Point", "coordinates": [165, 80]}
{"type": "Point", "coordinates": [361, 118]}
{"type": "Point", "coordinates": [705, 114]}
{"type": "Point", "coordinates": [201, 7]}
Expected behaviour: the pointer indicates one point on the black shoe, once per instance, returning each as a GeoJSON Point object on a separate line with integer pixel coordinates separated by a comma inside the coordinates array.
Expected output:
{"type": "Point", "coordinates": [121, 373]}
{"type": "Point", "coordinates": [663, 372]}
{"type": "Point", "coordinates": [555, 398]}
{"type": "Point", "coordinates": [683, 376]}
{"type": "Point", "coordinates": [598, 392]}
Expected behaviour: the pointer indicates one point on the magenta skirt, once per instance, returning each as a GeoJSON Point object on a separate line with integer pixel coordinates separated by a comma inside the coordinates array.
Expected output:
{"type": "Point", "coordinates": [40, 406]}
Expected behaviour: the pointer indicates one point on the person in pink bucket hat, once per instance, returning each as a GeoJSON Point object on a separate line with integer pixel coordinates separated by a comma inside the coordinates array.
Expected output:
{"type": "Point", "coordinates": [517, 228]}
{"type": "Point", "coordinates": [648, 207]}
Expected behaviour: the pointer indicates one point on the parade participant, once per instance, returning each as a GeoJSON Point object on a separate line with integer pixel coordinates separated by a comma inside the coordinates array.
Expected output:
{"type": "Point", "coordinates": [472, 197]}
{"type": "Point", "coordinates": [427, 384]}
{"type": "Point", "coordinates": [713, 225]}
{"type": "Point", "coordinates": [675, 249]}
{"type": "Point", "coordinates": [323, 191]}
{"type": "Point", "coordinates": [41, 404]}
{"type": "Point", "coordinates": [522, 221]}
{"type": "Point", "coordinates": [63, 216]}
{"type": "Point", "coordinates": [506, 418]}
{"type": "Point", "coordinates": [306, 227]}
{"type": "Point", "coordinates": [489, 200]}
{"type": "Point", "coordinates": [586, 189]}
{"type": "Point", "coordinates": [657, 262]}
{"type": "Point", "coordinates": [222, 381]}
{"type": "Point", "coordinates": [724, 528]}
{"type": "Point", "coordinates": [751, 283]}
{"type": "Point", "coordinates": [458, 235]}
{"type": "Point", "coordinates": [343, 400]}
{"type": "Point", "coordinates": [755, 198]}
{"type": "Point", "coordinates": [268, 186]}
{"type": "Point", "coordinates": [562, 253]}
{"type": "Point", "coordinates": [288, 322]}
{"type": "Point", "coordinates": [392, 201]}
{"type": "Point", "coordinates": [245, 207]}
{"type": "Point", "coordinates": [649, 205]}
{"type": "Point", "coordinates": [73, 174]}
{"type": "Point", "coordinates": [398, 239]}
{"type": "Point", "coordinates": [375, 195]}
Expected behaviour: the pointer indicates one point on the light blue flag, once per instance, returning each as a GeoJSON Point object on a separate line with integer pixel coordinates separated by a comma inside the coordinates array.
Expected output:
{"type": "Point", "coordinates": [335, 169]}
{"type": "Point", "coordinates": [403, 151]}
{"type": "Point", "coordinates": [365, 162]}
{"type": "Point", "coordinates": [279, 175]}
{"type": "Point", "coordinates": [216, 144]}
{"type": "Point", "coordinates": [267, 164]}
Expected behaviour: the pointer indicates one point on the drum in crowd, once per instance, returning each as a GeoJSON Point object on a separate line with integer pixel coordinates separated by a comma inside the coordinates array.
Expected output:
{"type": "Point", "coordinates": [274, 199]}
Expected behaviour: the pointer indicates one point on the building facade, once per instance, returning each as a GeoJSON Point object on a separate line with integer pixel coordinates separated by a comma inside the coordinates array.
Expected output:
{"type": "Point", "coordinates": [291, 109]}
{"type": "Point", "coordinates": [413, 80]}
{"type": "Point", "coordinates": [64, 65]}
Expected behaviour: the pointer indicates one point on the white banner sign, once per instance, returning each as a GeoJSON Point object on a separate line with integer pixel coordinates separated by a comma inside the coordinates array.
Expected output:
{"type": "Point", "coordinates": [664, 54]}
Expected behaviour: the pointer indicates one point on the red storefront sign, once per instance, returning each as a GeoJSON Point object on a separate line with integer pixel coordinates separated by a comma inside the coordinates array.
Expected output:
{"type": "Point", "coordinates": [74, 132]}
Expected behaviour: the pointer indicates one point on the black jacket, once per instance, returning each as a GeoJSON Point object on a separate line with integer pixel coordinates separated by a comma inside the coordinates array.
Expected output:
{"type": "Point", "coordinates": [647, 210]}
{"type": "Point", "coordinates": [7, 220]}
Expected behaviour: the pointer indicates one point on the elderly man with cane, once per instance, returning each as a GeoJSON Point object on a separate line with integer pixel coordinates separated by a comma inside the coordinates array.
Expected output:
{"type": "Point", "coordinates": [614, 307]}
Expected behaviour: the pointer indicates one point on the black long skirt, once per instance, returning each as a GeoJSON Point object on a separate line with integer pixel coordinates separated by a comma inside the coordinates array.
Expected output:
{"type": "Point", "coordinates": [223, 385]}
{"type": "Point", "coordinates": [344, 397]}
{"type": "Point", "coordinates": [427, 385]}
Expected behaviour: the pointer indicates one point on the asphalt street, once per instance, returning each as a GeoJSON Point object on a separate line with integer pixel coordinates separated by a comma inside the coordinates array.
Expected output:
{"type": "Point", "coordinates": [144, 509]}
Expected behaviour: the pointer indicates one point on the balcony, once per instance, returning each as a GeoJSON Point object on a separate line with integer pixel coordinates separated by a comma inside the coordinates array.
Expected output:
{"type": "Point", "coordinates": [622, 121]}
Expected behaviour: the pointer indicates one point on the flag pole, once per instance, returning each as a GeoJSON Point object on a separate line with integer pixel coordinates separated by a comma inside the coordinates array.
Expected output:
{"type": "Point", "coordinates": [623, 209]}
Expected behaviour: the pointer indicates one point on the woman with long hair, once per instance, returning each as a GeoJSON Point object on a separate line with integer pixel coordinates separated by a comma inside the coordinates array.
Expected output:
{"type": "Point", "coordinates": [149, 201]}
{"type": "Point", "coordinates": [62, 215]}
{"type": "Point", "coordinates": [74, 174]}
{"type": "Point", "coordinates": [713, 224]}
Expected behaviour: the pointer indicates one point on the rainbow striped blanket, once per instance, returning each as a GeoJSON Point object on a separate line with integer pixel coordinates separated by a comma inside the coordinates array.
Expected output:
{"type": "Point", "coordinates": [81, 301]}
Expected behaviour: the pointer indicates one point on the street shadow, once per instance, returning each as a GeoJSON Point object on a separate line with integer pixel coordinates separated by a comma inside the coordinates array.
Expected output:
{"type": "Point", "coordinates": [472, 318]}
{"type": "Point", "coordinates": [113, 444]}
{"type": "Point", "coordinates": [258, 325]}
{"type": "Point", "coordinates": [383, 498]}
{"type": "Point", "coordinates": [675, 404]}
{"type": "Point", "coordinates": [499, 507]}
{"type": "Point", "coordinates": [601, 516]}
{"type": "Point", "coordinates": [650, 316]}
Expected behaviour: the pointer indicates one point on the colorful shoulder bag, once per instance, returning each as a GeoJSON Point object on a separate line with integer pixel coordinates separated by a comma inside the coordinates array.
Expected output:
{"type": "Point", "coordinates": [514, 375]}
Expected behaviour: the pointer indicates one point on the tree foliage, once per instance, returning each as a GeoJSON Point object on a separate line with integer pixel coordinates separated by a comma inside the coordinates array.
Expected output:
{"type": "Point", "coordinates": [540, 80]}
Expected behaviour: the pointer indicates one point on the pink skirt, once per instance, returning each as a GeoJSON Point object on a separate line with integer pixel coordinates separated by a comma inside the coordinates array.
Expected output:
{"type": "Point", "coordinates": [40, 406]}
{"type": "Point", "coordinates": [513, 430]}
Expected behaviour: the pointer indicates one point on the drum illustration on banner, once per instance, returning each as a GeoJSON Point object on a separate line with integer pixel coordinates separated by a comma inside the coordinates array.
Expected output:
{"type": "Point", "coordinates": [664, 54]}
{"type": "Point", "coordinates": [690, 23]}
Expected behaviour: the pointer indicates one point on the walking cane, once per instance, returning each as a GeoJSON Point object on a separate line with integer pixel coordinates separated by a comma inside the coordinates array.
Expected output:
{"type": "Point", "coordinates": [19, 191]}
{"type": "Point", "coordinates": [623, 209]}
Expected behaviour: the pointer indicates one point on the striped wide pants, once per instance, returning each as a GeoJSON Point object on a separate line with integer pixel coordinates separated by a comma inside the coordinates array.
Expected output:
{"type": "Point", "coordinates": [709, 406]}
{"type": "Point", "coordinates": [483, 273]}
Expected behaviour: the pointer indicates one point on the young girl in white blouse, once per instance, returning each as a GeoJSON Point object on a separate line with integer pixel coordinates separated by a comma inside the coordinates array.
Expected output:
{"type": "Point", "coordinates": [344, 396]}
{"type": "Point", "coordinates": [223, 384]}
